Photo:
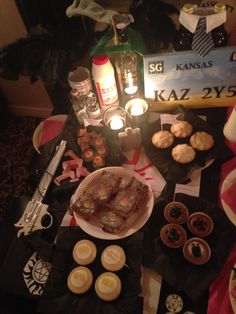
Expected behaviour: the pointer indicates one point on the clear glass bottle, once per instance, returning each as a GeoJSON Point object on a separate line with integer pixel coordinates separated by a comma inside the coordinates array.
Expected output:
{"type": "Point", "coordinates": [126, 65]}
{"type": "Point", "coordinates": [183, 37]}
{"type": "Point", "coordinates": [219, 34]}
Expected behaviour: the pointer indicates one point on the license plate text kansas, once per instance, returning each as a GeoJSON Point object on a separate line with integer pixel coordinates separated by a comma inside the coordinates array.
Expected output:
{"type": "Point", "coordinates": [184, 78]}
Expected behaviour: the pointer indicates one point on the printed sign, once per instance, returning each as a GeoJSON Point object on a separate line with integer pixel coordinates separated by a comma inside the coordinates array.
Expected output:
{"type": "Point", "coordinates": [184, 78]}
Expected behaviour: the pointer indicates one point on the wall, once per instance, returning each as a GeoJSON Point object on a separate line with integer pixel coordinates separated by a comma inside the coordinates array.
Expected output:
{"type": "Point", "coordinates": [24, 98]}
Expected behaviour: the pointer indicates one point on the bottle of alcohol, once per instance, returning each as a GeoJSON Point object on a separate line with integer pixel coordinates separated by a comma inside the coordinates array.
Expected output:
{"type": "Point", "coordinates": [219, 34]}
{"type": "Point", "coordinates": [183, 37]}
{"type": "Point", "coordinates": [121, 39]}
{"type": "Point", "coordinates": [126, 65]}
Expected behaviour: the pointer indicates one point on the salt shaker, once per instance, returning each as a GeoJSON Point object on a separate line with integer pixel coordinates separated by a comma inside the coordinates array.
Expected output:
{"type": "Point", "coordinates": [92, 106]}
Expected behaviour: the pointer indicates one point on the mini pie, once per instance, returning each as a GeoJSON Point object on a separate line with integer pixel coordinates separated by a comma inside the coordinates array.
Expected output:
{"type": "Point", "coordinates": [162, 139]}
{"type": "Point", "coordinates": [113, 258]}
{"type": "Point", "coordinates": [173, 235]}
{"type": "Point", "coordinates": [181, 129]}
{"type": "Point", "coordinates": [176, 212]}
{"type": "Point", "coordinates": [80, 280]}
{"type": "Point", "coordinates": [84, 252]}
{"type": "Point", "coordinates": [200, 224]}
{"type": "Point", "coordinates": [108, 286]}
{"type": "Point", "coordinates": [183, 153]}
{"type": "Point", "coordinates": [201, 141]}
{"type": "Point", "coordinates": [197, 251]}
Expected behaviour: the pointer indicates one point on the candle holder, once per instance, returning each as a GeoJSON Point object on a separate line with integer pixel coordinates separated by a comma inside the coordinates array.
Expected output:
{"type": "Point", "coordinates": [115, 119]}
{"type": "Point", "coordinates": [137, 111]}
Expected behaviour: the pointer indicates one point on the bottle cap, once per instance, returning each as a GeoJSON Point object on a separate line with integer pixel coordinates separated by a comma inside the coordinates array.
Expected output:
{"type": "Point", "coordinates": [100, 59]}
{"type": "Point", "coordinates": [188, 8]}
{"type": "Point", "coordinates": [219, 7]}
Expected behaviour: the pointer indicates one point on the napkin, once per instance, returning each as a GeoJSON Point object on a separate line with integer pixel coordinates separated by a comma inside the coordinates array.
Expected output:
{"type": "Point", "coordinates": [51, 129]}
{"type": "Point", "coordinates": [219, 290]}
{"type": "Point", "coordinates": [57, 298]}
{"type": "Point", "coordinates": [229, 197]}
{"type": "Point", "coordinates": [226, 168]}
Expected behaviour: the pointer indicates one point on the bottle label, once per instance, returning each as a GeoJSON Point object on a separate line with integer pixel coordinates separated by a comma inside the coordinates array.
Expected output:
{"type": "Point", "coordinates": [107, 94]}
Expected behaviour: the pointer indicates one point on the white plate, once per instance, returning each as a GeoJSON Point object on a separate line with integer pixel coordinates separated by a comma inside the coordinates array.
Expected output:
{"type": "Point", "coordinates": [138, 219]}
{"type": "Point", "coordinates": [232, 283]}
{"type": "Point", "coordinates": [229, 180]}
{"type": "Point", "coordinates": [38, 131]}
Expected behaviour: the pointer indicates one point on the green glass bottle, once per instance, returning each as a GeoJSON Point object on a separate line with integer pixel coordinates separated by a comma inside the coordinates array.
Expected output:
{"type": "Point", "coordinates": [125, 48]}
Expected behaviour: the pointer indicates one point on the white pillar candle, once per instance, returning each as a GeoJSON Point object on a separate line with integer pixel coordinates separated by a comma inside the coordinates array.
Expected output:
{"type": "Point", "coordinates": [116, 123]}
{"type": "Point", "coordinates": [137, 107]}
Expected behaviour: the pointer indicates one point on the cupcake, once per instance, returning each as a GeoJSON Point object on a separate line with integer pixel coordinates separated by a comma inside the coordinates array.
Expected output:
{"type": "Point", "coordinates": [200, 224]}
{"type": "Point", "coordinates": [80, 280]}
{"type": "Point", "coordinates": [84, 252]}
{"type": "Point", "coordinates": [183, 153]}
{"type": "Point", "coordinates": [201, 141]}
{"type": "Point", "coordinates": [162, 139]}
{"type": "Point", "coordinates": [181, 129]}
{"type": "Point", "coordinates": [113, 258]}
{"type": "Point", "coordinates": [108, 286]}
{"type": "Point", "coordinates": [176, 212]}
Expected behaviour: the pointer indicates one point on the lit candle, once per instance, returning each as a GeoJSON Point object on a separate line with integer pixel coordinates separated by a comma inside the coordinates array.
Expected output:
{"type": "Point", "coordinates": [116, 123]}
{"type": "Point", "coordinates": [137, 107]}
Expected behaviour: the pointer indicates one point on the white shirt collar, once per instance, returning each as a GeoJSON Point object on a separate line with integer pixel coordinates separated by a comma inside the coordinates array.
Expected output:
{"type": "Point", "coordinates": [190, 21]}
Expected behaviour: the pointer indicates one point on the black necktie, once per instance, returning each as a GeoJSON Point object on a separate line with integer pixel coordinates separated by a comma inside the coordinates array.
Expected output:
{"type": "Point", "coordinates": [202, 42]}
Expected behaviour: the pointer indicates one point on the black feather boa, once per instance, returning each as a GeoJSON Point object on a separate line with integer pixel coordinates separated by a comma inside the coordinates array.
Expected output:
{"type": "Point", "coordinates": [152, 20]}
{"type": "Point", "coordinates": [42, 54]}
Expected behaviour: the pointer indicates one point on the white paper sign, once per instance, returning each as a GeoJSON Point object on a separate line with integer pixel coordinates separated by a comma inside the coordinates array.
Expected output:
{"type": "Point", "coordinates": [187, 189]}
{"type": "Point", "coordinates": [168, 118]}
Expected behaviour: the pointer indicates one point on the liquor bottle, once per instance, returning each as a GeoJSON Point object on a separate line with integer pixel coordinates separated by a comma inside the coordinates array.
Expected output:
{"type": "Point", "coordinates": [183, 37]}
{"type": "Point", "coordinates": [219, 34]}
{"type": "Point", "coordinates": [126, 65]}
{"type": "Point", "coordinates": [123, 38]}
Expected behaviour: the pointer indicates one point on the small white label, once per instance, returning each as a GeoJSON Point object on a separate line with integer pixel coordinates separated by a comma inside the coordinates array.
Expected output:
{"type": "Point", "coordinates": [107, 93]}
{"type": "Point", "coordinates": [187, 189]}
{"type": "Point", "coordinates": [168, 118]}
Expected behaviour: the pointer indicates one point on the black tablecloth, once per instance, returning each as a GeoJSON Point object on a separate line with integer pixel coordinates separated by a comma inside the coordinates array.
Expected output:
{"type": "Point", "coordinates": [155, 255]}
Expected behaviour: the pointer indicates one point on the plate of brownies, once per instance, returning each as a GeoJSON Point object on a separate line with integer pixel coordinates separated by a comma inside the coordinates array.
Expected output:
{"type": "Point", "coordinates": [112, 203]}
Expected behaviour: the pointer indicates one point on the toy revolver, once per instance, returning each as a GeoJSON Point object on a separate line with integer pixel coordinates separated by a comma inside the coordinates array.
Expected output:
{"type": "Point", "coordinates": [36, 216]}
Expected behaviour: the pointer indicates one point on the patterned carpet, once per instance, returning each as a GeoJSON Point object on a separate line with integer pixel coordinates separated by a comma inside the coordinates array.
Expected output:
{"type": "Point", "coordinates": [16, 153]}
